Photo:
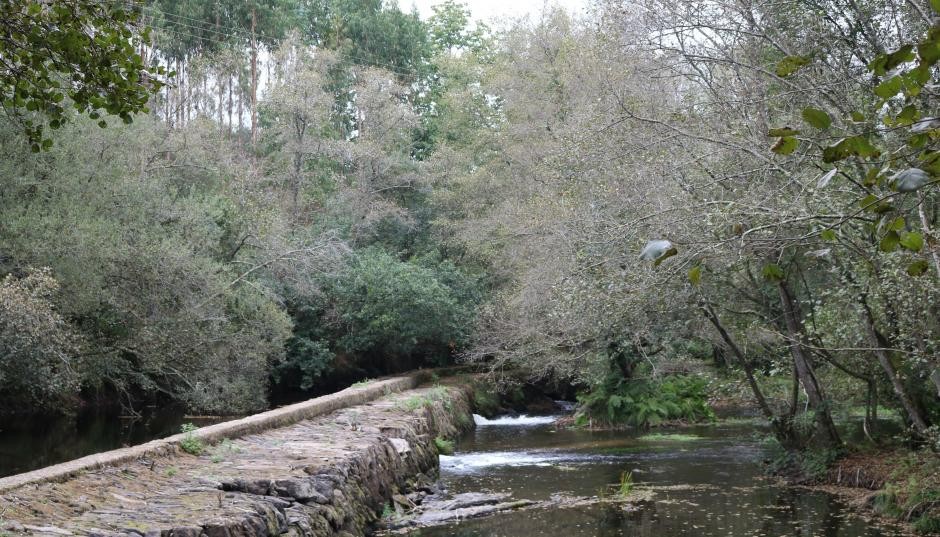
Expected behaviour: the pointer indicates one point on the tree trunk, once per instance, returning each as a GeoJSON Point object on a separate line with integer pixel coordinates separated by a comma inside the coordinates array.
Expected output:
{"type": "Point", "coordinates": [877, 341]}
{"type": "Point", "coordinates": [230, 102]}
{"type": "Point", "coordinates": [254, 78]}
{"type": "Point", "coordinates": [804, 369]}
{"type": "Point", "coordinates": [783, 430]}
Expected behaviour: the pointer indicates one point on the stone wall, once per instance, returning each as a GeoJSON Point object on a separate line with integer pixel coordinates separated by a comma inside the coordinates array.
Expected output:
{"type": "Point", "coordinates": [330, 474]}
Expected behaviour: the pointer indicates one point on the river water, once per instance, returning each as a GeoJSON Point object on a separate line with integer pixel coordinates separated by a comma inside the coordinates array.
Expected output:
{"type": "Point", "coordinates": [708, 482]}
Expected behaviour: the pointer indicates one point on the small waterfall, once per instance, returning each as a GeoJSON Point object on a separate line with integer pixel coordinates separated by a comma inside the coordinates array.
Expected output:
{"type": "Point", "coordinates": [518, 421]}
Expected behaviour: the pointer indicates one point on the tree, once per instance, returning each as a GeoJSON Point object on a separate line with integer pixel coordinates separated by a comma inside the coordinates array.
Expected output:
{"type": "Point", "coordinates": [84, 51]}
{"type": "Point", "coordinates": [39, 367]}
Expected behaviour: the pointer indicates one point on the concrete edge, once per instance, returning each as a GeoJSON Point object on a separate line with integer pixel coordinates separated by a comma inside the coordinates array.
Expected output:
{"type": "Point", "coordinates": [271, 419]}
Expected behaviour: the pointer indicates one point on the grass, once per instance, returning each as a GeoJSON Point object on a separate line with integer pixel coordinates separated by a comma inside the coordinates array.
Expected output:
{"type": "Point", "coordinates": [388, 512]}
{"type": "Point", "coordinates": [362, 383]}
{"type": "Point", "coordinates": [223, 449]}
{"type": "Point", "coordinates": [663, 437]}
{"type": "Point", "coordinates": [172, 471]}
{"type": "Point", "coordinates": [444, 446]}
{"type": "Point", "coordinates": [626, 484]}
{"type": "Point", "coordinates": [414, 403]}
{"type": "Point", "coordinates": [191, 443]}
{"type": "Point", "coordinates": [437, 393]}
{"type": "Point", "coordinates": [912, 493]}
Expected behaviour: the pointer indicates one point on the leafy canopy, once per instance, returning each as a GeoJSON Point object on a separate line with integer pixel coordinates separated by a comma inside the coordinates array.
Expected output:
{"type": "Point", "coordinates": [82, 52]}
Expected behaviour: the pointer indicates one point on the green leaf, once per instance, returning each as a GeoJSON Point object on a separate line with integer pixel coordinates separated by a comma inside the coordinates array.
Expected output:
{"type": "Point", "coordinates": [857, 117]}
{"type": "Point", "coordinates": [907, 115]}
{"type": "Point", "coordinates": [782, 131]}
{"type": "Point", "coordinates": [695, 275]}
{"type": "Point", "coordinates": [889, 242]}
{"type": "Point", "coordinates": [817, 118]}
{"type": "Point", "coordinates": [917, 267]}
{"type": "Point", "coordinates": [669, 253]}
{"type": "Point", "coordinates": [791, 64]}
{"type": "Point", "coordinates": [889, 88]}
{"type": "Point", "coordinates": [785, 145]}
{"type": "Point", "coordinates": [886, 62]}
{"type": "Point", "coordinates": [912, 241]}
{"type": "Point", "coordinates": [858, 146]}
{"type": "Point", "coordinates": [773, 272]}
{"type": "Point", "coordinates": [828, 235]}
{"type": "Point", "coordinates": [896, 225]}
{"type": "Point", "coordinates": [868, 202]}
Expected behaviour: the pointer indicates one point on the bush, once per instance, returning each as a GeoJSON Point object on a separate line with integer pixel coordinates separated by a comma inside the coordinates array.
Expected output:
{"type": "Point", "coordinates": [37, 347]}
{"type": "Point", "coordinates": [444, 446]}
{"type": "Point", "coordinates": [191, 443]}
{"type": "Point", "coordinates": [646, 402]}
{"type": "Point", "coordinates": [400, 310]}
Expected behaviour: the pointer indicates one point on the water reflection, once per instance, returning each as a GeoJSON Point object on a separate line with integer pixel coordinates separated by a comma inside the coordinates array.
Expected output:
{"type": "Point", "coordinates": [27, 444]}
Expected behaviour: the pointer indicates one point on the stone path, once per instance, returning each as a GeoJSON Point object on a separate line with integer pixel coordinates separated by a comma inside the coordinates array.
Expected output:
{"type": "Point", "coordinates": [327, 475]}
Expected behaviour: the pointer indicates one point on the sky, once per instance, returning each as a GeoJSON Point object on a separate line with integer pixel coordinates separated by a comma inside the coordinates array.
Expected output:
{"type": "Point", "coordinates": [485, 10]}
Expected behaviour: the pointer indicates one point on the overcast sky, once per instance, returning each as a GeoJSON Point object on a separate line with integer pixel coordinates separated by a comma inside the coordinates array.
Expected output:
{"type": "Point", "coordinates": [485, 10]}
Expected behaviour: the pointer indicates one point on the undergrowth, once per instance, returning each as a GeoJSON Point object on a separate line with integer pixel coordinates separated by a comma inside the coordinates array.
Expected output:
{"type": "Point", "coordinates": [645, 402]}
{"type": "Point", "coordinates": [444, 446]}
{"type": "Point", "coordinates": [912, 493]}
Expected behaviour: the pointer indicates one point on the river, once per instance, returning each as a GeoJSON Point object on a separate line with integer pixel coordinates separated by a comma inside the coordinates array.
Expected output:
{"type": "Point", "coordinates": [707, 480]}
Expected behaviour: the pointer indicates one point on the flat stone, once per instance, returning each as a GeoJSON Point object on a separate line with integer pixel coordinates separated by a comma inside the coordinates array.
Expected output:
{"type": "Point", "coordinates": [401, 445]}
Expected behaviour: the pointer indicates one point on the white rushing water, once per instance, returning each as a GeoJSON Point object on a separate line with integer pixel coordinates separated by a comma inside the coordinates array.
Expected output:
{"type": "Point", "coordinates": [469, 462]}
{"type": "Point", "coordinates": [521, 420]}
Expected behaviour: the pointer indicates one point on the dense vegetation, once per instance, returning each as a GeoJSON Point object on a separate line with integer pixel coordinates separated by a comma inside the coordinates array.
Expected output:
{"type": "Point", "coordinates": [268, 224]}
{"type": "Point", "coordinates": [333, 189]}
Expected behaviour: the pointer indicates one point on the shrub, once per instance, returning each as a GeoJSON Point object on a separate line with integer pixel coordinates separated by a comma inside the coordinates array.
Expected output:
{"type": "Point", "coordinates": [444, 446]}
{"type": "Point", "coordinates": [191, 443]}
{"type": "Point", "coordinates": [646, 402]}
{"type": "Point", "coordinates": [37, 346]}
{"type": "Point", "coordinates": [399, 309]}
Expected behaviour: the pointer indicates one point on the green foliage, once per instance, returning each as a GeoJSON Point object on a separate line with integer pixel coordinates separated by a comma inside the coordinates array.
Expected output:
{"type": "Point", "coordinates": [144, 262]}
{"type": "Point", "coordinates": [369, 32]}
{"type": "Point", "coordinates": [646, 402]}
{"type": "Point", "coordinates": [191, 443]}
{"type": "Point", "coordinates": [444, 446]}
{"type": "Point", "coordinates": [626, 484]}
{"type": "Point", "coordinates": [401, 309]}
{"type": "Point", "coordinates": [811, 463]}
{"type": "Point", "coordinates": [222, 450]}
{"type": "Point", "coordinates": [486, 400]}
{"type": "Point", "coordinates": [90, 44]}
{"type": "Point", "coordinates": [912, 492]}
{"type": "Point", "coordinates": [362, 383]}
{"type": "Point", "coordinates": [38, 364]}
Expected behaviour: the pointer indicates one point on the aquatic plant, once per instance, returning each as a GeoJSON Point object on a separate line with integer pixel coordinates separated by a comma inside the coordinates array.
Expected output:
{"type": "Point", "coordinates": [626, 484]}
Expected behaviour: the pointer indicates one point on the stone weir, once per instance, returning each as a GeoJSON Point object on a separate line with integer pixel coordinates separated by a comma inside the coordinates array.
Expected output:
{"type": "Point", "coordinates": [327, 467]}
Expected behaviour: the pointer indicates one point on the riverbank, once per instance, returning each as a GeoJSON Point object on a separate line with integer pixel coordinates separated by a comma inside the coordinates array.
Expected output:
{"type": "Point", "coordinates": [895, 484]}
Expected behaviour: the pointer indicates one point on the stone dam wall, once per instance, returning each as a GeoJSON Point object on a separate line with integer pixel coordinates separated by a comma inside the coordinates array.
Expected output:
{"type": "Point", "coordinates": [323, 467]}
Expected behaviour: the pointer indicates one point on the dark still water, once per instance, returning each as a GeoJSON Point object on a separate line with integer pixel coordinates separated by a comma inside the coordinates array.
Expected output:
{"type": "Point", "coordinates": [30, 443]}
{"type": "Point", "coordinates": [707, 482]}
